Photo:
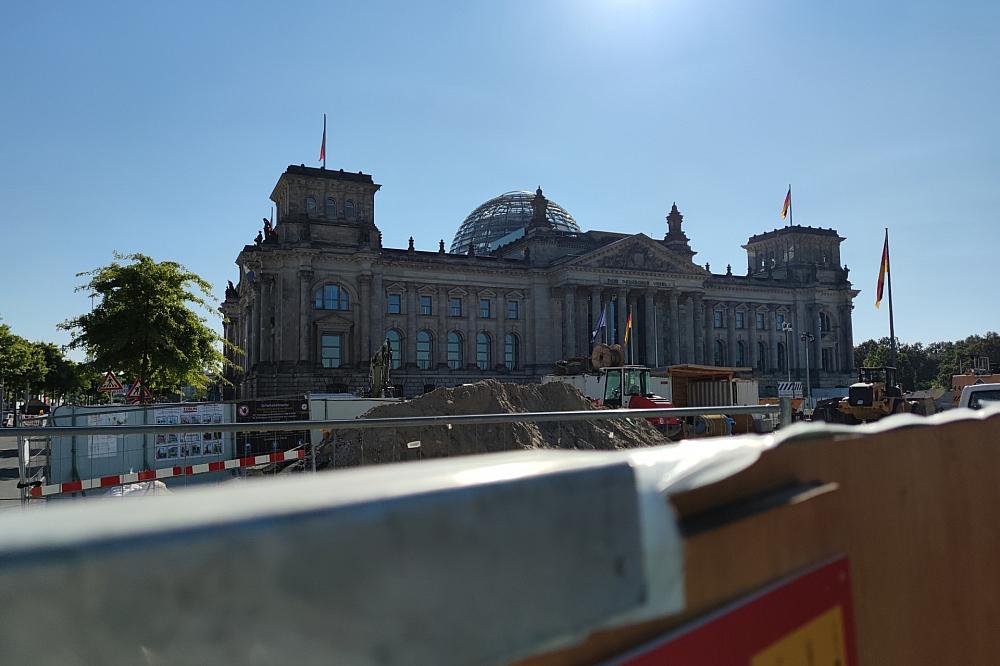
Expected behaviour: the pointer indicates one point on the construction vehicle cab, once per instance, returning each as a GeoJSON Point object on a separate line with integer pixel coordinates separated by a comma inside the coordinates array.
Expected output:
{"type": "Point", "coordinates": [627, 387]}
{"type": "Point", "coordinates": [634, 379]}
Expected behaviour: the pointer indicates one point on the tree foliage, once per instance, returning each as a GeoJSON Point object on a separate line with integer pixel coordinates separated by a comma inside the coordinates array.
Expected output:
{"type": "Point", "coordinates": [923, 366]}
{"type": "Point", "coordinates": [145, 327]}
{"type": "Point", "coordinates": [38, 367]}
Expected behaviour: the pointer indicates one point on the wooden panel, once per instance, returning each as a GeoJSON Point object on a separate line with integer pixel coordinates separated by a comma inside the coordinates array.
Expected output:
{"type": "Point", "coordinates": [917, 513]}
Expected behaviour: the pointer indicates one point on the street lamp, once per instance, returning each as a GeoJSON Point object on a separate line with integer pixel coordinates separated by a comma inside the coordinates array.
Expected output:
{"type": "Point", "coordinates": [786, 328]}
{"type": "Point", "coordinates": [808, 339]}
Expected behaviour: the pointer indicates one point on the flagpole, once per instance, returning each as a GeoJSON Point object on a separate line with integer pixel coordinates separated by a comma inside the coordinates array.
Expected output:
{"type": "Point", "coordinates": [892, 329]}
{"type": "Point", "coordinates": [324, 140]}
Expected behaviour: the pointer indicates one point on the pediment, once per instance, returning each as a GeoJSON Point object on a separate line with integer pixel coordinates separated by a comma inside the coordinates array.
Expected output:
{"type": "Point", "coordinates": [457, 291]}
{"type": "Point", "coordinates": [395, 286]}
{"type": "Point", "coordinates": [638, 253]}
{"type": "Point", "coordinates": [334, 318]}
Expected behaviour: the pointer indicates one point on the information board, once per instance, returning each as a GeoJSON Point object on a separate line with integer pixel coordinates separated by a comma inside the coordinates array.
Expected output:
{"type": "Point", "coordinates": [188, 444]}
{"type": "Point", "coordinates": [271, 409]}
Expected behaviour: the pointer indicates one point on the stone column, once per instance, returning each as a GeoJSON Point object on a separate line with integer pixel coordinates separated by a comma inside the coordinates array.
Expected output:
{"type": "Point", "coordinates": [621, 305]}
{"type": "Point", "coordinates": [376, 313]}
{"type": "Point", "coordinates": [595, 309]}
{"type": "Point", "coordinates": [699, 347]}
{"type": "Point", "coordinates": [255, 332]}
{"type": "Point", "coordinates": [772, 343]}
{"type": "Point", "coordinates": [847, 338]}
{"type": "Point", "coordinates": [471, 313]}
{"type": "Point", "coordinates": [410, 347]}
{"type": "Point", "coordinates": [498, 329]}
{"type": "Point", "coordinates": [675, 340]}
{"type": "Point", "coordinates": [441, 338]}
{"type": "Point", "coordinates": [305, 278]}
{"type": "Point", "coordinates": [363, 321]}
{"type": "Point", "coordinates": [264, 321]}
{"type": "Point", "coordinates": [247, 339]}
{"type": "Point", "coordinates": [650, 329]}
{"type": "Point", "coordinates": [731, 332]}
{"type": "Point", "coordinates": [569, 326]}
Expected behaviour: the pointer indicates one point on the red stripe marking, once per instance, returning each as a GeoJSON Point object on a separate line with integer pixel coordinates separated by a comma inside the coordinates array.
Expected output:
{"type": "Point", "coordinates": [72, 487]}
{"type": "Point", "coordinates": [147, 475]}
{"type": "Point", "coordinates": [276, 457]}
{"type": "Point", "coordinates": [178, 471]}
{"type": "Point", "coordinates": [216, 466]}
{"type": "Point", "coordinates": [36, 492]}
{"type": "Point", "coordinates": [246, 461]}
{"type": "Point", "coordinates": [108, 481]}
{"type": "Point", "coordinates": [188, 470]}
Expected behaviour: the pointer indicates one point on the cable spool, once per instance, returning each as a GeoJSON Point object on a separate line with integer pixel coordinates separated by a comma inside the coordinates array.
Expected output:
{"type": "Point", "coordinates": [606, 356]}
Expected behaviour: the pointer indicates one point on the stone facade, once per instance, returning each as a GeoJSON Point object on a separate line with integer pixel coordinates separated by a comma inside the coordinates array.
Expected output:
{"type": "Point", "coordinates": [317, 296]}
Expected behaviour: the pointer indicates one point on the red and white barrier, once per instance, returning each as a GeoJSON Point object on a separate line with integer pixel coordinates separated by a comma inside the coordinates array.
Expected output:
{"type": "Point", "coordinates": [164, 473]}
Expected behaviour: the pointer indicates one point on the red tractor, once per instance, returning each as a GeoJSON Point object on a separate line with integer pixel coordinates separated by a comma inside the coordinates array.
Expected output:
{"type": "Point", "coordinates": [628, 386]}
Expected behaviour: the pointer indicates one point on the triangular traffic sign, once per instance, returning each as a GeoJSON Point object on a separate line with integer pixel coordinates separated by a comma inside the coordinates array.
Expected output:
{"type": "Point", "coordinates": [138, 392]}
{"type": "Point", "coordinates": [110, 383]}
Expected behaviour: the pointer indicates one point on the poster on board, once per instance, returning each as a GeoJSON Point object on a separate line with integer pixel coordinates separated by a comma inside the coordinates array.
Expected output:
{"type": "Point", "coordinates": [174, 445]}
{"type": "Point", "coordinates": [105, 446]}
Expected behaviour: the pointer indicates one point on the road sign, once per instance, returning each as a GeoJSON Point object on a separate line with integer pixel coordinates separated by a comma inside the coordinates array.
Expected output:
{"type": "Point", "coordinates": [138, 393]}
{"type": "Point", "coordinates": [111, 383]}
{"type": "Point", "coordinates": [789, 389]}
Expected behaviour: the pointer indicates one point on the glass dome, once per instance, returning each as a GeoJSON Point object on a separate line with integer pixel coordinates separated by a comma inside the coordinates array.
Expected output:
{"type": "Point", "coordinates": [503, 216]}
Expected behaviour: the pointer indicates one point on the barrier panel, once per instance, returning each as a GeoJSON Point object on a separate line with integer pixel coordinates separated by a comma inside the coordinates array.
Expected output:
{"type": "Point", "coordinates": [846, 543]}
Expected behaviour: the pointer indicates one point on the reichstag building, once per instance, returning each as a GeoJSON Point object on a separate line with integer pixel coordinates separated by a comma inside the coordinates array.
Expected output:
{"type": "Point", "coordinates": [520, 287]}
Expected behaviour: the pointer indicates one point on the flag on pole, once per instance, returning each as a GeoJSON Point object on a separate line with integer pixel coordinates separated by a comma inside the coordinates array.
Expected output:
{"type": "Point", "coordinates": [883, 270]}
{"type": "Point", "coordinates": [601, 322]}
{"type": "Point", "coordinates": [628, 327]}
{"type": "Point", "coordinates": [322, 147]}
{"type": "Point", "coordinates": [788, 203]}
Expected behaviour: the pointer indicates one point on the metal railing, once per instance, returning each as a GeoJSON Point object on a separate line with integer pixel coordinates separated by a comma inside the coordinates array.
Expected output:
{"type": "Point", "coordinates": [25, 434]}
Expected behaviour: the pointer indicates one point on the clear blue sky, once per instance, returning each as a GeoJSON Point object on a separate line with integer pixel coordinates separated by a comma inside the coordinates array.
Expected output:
{"type": "Point", "coordinates": [162, 127]}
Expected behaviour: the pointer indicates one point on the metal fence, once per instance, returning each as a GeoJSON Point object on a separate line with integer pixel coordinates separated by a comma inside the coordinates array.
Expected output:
{"type": "Point", "coordinates": [383, 438]}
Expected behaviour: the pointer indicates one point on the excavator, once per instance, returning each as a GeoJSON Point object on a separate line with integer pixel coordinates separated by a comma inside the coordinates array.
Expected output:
{"type": "Point", "coordinates": [876, 394]}
{"type": "Point", "coordinates": [628, 386]}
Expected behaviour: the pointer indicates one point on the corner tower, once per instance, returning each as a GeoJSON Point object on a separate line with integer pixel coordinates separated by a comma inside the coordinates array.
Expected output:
{"type": "Point", "coordinates": [326, 206]}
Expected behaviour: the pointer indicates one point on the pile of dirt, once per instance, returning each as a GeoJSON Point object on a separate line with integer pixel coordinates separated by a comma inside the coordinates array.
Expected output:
{"type": "Point", "coordinates": [345, 448]}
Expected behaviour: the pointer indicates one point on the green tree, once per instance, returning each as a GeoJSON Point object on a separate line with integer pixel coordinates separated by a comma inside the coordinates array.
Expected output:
{"type": "Point", "coordinates": [22, 363]}
{"type": "Point", "coordinates": [64, 377]}
{"type": "Point", "coordinates": [144, 325]}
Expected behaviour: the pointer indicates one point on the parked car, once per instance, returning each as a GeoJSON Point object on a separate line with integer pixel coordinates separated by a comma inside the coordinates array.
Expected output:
{"type": "Point", "coordinates": [974, 396]}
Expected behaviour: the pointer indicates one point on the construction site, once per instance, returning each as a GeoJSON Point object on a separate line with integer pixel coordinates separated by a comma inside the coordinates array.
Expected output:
{"type": "Point", "coordinates": [610, 514]}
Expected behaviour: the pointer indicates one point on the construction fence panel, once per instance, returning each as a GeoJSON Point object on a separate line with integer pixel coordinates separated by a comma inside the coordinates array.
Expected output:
{"type": "Point", "coordinates": [74, 458]}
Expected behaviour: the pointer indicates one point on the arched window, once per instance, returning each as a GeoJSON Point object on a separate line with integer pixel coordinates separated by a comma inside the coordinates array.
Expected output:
{"type": "Point", "coordinates": [349, 209]}
{"type": "Point", "coordinates": [455, 350]}
{"type": "Point", "coordinates": [484, 351]}
{"type": "Point", "coordinates": [762, 357]}
{"type": "Point", "coordinates": [395, 339]}
{"type": "Point", "coordinates": [331, 208]}
{"type": "Point", "coordinates": [424, 349]}
{"type": "Point", "coordinates": [510, 351]}
{"type": "Point", "coordinates": [720, 353]}
{"type": "Point", "coordinates": [310, 206]}
{"type": "Point", "coordinates": [331, 297]}
{"type": "Point", "coordinates": [741, 354]}
{"type": "Point", "coordinates": [781, 357]}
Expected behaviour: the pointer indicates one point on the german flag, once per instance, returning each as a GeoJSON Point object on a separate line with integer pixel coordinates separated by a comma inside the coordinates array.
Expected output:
{"type": "Point", "coordinates": [788, 203]}
{"type": "Point", "coordinates": [628, 327]}
{"type": "Point", "coordinates": [883, 270]}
